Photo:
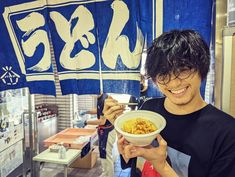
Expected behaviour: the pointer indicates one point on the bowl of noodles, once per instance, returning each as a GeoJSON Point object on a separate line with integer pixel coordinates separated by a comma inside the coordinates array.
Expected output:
{"type": "Point", "coordinates": [140, 127]}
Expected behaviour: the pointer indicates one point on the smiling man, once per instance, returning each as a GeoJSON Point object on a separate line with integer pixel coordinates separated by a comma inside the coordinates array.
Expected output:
{"type": "Point", "coordinates": [199, 139]}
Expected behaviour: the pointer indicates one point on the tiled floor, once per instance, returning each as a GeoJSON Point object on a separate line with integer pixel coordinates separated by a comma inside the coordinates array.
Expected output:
{"type": "Point", "coordinates": [51, 170]}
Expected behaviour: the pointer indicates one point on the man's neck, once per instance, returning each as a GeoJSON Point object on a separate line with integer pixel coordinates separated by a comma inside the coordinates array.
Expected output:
{"type": "Point", "coordinates": [183, 109]}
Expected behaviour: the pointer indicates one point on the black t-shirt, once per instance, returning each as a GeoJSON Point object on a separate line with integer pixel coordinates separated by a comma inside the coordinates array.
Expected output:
{"type": "Point", "coordinates": [200, 144]}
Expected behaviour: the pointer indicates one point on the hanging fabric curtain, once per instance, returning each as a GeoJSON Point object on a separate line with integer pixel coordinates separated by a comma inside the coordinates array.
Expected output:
{"type": "Point", "coordinates": [25, 53]}
{"type": "Point", "coordinates": [97, 44]}
{"type": "Point", "coordinates": [100, 46]}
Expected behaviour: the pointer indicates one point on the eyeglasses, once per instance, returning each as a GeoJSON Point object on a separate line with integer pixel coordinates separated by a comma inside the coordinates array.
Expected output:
{"type": "Point", "coordinates": [182, 74]}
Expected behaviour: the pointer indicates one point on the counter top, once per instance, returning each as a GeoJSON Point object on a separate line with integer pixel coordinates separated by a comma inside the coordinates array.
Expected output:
{"type": "Point", "coordinates": [53, 157]}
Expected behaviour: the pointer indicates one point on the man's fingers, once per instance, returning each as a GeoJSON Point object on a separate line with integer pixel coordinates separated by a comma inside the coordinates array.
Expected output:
{"type": "Point", "coordinates": [162, 143]}
{"type": "Point", "coordinates": [121, 140]}
{"type": "Point", "coordinates": [111, 107]}
{"type": "Point", "coordinates": [119, 135]}
{"type": "Point", "coordinates": [131, 151]}
{"type": "Point", "coordinates": [114, 108]}
{"type": "Point", "coordinates": [127, 151]}
{"type": "Point", "coordinates": [113, 116]}
{"type": "Point", "coordinates": [119, 113]}
{"type": "Point", "coordinates": [110, 97]}
{"type": "Point", "coordinates": [109, 102]}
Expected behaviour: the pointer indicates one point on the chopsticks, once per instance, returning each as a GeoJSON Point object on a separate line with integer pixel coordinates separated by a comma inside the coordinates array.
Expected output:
{"type": "Point", "coordinates": [130, 104]}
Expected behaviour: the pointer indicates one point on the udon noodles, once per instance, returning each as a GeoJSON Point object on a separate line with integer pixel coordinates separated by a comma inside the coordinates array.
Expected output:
{"type": "Point", "coordinates": [138, 126]}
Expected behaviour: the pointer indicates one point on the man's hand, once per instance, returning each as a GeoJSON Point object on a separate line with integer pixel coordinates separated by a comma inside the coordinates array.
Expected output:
{"type": "Point", "coordinates": [121, 143]}
{"type": "Point", "coordinates": [112, 109]}
{"type": "Point", "coordinates": [83, 112]}
{"type": "Point", "coordinates": [155, 155]}
{"type": "Point", "coordinates": [81, 123]}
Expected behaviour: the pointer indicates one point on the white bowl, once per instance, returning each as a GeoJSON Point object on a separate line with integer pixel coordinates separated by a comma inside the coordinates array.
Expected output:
{"type": "Point", "coordinates": [140, 139]}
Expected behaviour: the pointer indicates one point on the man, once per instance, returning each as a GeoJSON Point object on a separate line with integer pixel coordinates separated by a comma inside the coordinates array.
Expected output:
{"type": "Point", "coordinates": [106, 137]}
{"type": "Point", "coordinates": [199, 139]}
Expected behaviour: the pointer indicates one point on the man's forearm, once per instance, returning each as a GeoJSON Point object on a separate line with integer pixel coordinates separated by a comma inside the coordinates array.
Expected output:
{"type": "Point", "coordinates": [93, 111]}
{"type": "Point", "coordinates": [166, 171]}
{"type": "Point", "coordinates": [95, 122]}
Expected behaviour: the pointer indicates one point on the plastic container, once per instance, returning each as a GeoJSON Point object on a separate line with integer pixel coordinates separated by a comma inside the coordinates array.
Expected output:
{"type": "Point", "coordinates": [62, 151]}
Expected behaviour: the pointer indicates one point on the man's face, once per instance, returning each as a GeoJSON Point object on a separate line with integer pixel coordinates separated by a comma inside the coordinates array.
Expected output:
{"type": "Point", "coordinates": [181, 90]}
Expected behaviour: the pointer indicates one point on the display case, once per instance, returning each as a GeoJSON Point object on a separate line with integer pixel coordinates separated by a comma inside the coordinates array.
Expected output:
{"type": "Point", "coordinates": [12, 104]}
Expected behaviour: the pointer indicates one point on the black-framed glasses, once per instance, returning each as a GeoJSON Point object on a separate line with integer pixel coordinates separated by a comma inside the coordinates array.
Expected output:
{"type": "Point", "coordinates": [182, 74]}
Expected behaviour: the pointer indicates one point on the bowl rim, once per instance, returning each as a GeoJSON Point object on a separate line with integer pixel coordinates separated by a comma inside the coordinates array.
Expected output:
{"type": "Point", "coordinates": [141, 135]}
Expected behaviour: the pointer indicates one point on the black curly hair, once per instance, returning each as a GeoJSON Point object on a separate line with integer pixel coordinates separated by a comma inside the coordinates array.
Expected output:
{"type": "Point", "coordinates": [176, 50]}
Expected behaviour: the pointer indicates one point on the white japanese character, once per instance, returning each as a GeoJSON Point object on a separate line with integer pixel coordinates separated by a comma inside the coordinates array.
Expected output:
{"type": "Point", "coordinates": [117, 44]}
{"type": "Point", "coordinates": [29, 25]}
{"type": "Point", "coordinates": [81, 31]}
